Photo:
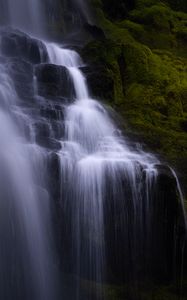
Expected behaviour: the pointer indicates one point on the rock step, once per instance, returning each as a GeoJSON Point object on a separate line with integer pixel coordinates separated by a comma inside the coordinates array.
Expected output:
{"type": "Point", "coordinates": [54, 81]}
{"type": "Point", "coordinates": [18, 44]}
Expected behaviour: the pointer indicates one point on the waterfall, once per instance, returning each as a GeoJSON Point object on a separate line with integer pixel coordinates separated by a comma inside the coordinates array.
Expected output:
{"type": "Point", "coordinates": [96, 165]}
{"type": "Point", "coordinates": [25, 15]}
{"type": "Point", "coordinates": [81, 205]}
{"type": "Point", "coordinates": [84, 9]}
{"type": "Point", "coordinates": [24, 201]}
{"type": "Point", "coordinates": [100, 172]}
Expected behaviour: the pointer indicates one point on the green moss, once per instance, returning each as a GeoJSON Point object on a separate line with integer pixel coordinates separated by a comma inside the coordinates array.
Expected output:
{"type": "Point", "coordinates": [138, 59]}
{"type": "Point", "coordinates": [163, 27]}
{"type": "Point", "coordinates": [145, 3]}
{"type": "Point", "coordinates": [145, 291]}
{"type": "Point", "coordinates": [118, 9]}
{"type": "Point", "coordinates": [178, 4]}
{"type": "Point", "coordinates": [97, 54]}
{"type": "Point", "coordinates": [145, 55]}
{"type": "Point", "coordinates": [135, 29]}
{"type": "Point", "coordinates": [156, 26]}
{"type": "Point", "coordinates": [156, 16]}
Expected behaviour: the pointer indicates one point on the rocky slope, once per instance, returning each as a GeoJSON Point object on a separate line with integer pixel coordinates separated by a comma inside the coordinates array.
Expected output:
{"type": "Point", "coordinates": [136, 255]}
{"type": "Point", "coordinates": [139, 55]}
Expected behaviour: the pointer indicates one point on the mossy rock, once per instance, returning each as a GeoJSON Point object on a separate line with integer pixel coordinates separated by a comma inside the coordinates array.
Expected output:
{"type": "Point", "coordinates": [145, 57]}
{"type": "Point", "coordinates": [178, 4]}
{"type": "Point", "coordinates": [157, 17]}
{"type": "Point", "coordinates": [118, 9]}
{"type": "Point", "coordinates": [106, 80]}
{"type": "Point", "coordinates": [145, 291]}
{"type": "Point", "coordinates": [101, 82]}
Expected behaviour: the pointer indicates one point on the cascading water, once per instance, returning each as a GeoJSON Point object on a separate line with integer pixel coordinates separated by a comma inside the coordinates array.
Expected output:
{"type": "Point", "coordinates": [24, 216]}
{"type": "Point", "coordinates": [106, 174]}
{"type": "Point", "coordinates": [82, 6]}
{"type": "Point", "coordinates": [25, 15]}
{"type": "Point", "coordinates": [69, 176]}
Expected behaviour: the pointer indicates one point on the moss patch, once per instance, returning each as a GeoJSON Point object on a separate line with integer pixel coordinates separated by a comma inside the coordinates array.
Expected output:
{"type": "Point", "coordinates": [144, 55]}
{"type": "Point", "coordinates": [144, 291]}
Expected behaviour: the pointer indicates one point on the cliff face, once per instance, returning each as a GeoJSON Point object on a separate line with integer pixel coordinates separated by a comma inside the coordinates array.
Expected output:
{"type": "Point", "coordinates": [139, 54]}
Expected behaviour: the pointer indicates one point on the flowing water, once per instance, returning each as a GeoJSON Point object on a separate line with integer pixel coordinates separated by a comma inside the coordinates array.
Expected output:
{"type": "Point", "coordinates": [83, 7]}
{"type": "Point", "coordinates": [104, 190]}
{"type": "Point", "coordinates": [25, 15]}
{"type": "Point", "coordinates": [24, 215]}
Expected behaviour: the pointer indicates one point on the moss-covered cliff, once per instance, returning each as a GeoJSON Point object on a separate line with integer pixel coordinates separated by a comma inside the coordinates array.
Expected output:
{"type": "Point", "coordinates": [140, 64]}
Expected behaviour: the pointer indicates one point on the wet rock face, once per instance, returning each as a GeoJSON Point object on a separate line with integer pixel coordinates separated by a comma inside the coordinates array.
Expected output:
{"type": "Point", "coordinates": [95, 32]}
{"type": "Point", "coordinates": [52, 112]}
{"type": "Point", "coordinates": [18, 44]}
{"type": "Point", "coordinates": [27, 57]}
{"type": "Point", "coordinates": [100, 82]}
{"type": "Point", "coordinates": [21, 53]}
{"type": "Point", "coordinates": [45, 137]}
{"type": "Point", "coordinates": [53, 81]}
{"type": "Point", "coordinates": [146, 245]}
{"type": "Point", "coordinates": [165, 224]}
{"type": "Point", "coordinates": [23, 56]}
{"type": "Point", "coordinates": [22, 75]}
{"type": "Point", "coordinates": [166, 180]}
